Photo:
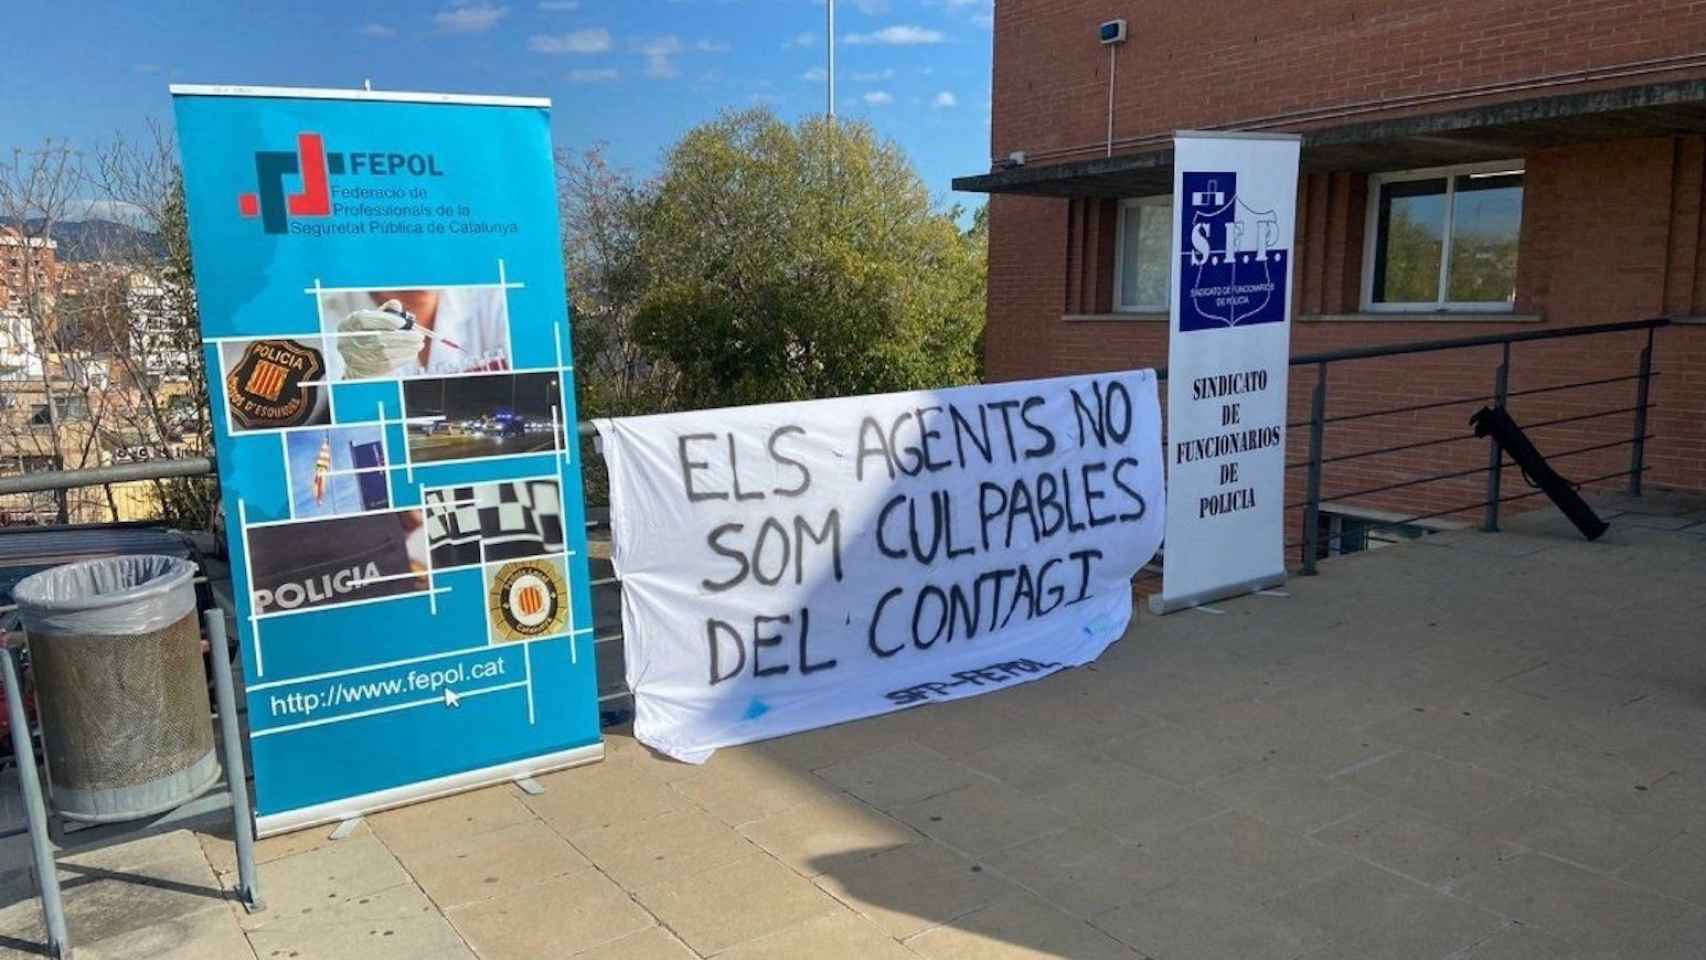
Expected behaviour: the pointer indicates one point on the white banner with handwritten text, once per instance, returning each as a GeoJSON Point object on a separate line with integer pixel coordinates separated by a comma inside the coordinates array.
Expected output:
{"type": "Point", "coordinates": [791, 566]}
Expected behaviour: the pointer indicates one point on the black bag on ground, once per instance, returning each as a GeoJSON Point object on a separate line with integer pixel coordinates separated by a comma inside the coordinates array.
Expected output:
{"type": "Point", "coordinates": [1495, 422]}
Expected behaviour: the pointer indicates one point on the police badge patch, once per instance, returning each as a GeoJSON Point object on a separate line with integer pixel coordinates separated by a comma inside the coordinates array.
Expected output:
{"type": "Point", "coordinates": [276, 383]}
{"type": "Point", "coordinates": [528, 599]}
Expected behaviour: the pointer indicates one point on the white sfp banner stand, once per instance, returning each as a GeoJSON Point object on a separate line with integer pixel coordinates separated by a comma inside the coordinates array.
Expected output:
{"type": "Point", "coordinates": [791, 566]}
{"type": "Point", "coordinates": [1234, 222]}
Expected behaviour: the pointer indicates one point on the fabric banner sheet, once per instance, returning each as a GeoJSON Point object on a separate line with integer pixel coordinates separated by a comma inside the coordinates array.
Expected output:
{"type": "Point", "coordinates": [791, 566]}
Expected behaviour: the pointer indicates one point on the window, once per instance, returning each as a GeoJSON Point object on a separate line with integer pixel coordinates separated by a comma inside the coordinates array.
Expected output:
{"type": "Point", "coordinates": [1443, 239]}
{"type": "Point", "coordinates": [70, 408]}
{"type": "Point", "coordinates": [1143, 247]}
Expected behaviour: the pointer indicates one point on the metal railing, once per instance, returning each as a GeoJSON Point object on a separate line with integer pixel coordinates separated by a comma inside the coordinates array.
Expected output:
{"type": "Point", "coordinates": [1314, 464]}
{"type": "Point", "coordinates": [1500, 394]}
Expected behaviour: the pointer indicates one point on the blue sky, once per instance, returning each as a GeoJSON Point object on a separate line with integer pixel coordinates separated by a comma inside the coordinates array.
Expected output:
{"type": "Point", "coordinates": [634, 74]}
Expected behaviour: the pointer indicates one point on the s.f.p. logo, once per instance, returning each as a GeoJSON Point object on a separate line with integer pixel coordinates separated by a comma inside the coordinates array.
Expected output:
{"type": "Point", "coordinates": [271, 203]}
{"type": "Point", "coordinates": [1234, 262]}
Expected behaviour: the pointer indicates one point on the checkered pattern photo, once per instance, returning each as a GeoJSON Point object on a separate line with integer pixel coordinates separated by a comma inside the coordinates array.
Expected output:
{"type": "Point", "coordinates": [494, 521]}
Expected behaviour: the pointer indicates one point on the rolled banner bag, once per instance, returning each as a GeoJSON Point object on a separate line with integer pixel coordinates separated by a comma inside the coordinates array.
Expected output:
{"type": "Point", "coordinates": [115, 648]}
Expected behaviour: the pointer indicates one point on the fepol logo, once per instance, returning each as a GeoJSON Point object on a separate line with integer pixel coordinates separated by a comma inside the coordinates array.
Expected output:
{"type": "Point", "coordinates": [316, 167]}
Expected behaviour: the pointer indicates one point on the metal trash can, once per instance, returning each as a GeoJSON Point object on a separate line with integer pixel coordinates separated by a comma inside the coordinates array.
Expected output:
{"type": "Point", "coordinates": [116, 652]}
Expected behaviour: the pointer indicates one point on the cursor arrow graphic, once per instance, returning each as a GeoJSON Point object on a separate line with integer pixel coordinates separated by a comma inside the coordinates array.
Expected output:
{"type": "Point", "coordinates": [451, 699]}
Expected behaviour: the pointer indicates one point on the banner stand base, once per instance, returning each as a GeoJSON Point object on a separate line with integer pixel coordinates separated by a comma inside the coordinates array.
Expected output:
{"type": "Point", "coordinates": [352, 807]}
{"type": "Point", "coordinates": [1161, 605]}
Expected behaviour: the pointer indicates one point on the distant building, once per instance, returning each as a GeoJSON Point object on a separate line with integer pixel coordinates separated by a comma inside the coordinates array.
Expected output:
{"type": "Point", "coordinates": [89, 368]}
{"type": "Point", "coordinates": [22, 257]}
{"type": "Point", "coordinates": [1467, 167]}
{"type": "Point", "coordinates": [25, 262]}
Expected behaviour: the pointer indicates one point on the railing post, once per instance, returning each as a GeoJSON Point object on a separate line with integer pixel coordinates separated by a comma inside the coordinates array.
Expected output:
{"type": "Point", "coordinates": [35, 808]}
{"type": "Point", "coordinates": [1495, 455]}
{"type": "Point", "coordinates": [1638, 450]}
{"type": "Point", "coordinates": [1312, 505]}
{"type": "Point", "coordinates": [236, 773]}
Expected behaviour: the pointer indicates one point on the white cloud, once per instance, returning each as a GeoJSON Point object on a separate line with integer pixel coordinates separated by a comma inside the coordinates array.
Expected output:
{"type": "Point", "coordinates": [903, 35]}
{"type": "Point", "coordinates": [873, 76]}
{"type": "Point", "coordinates": [667, 45]}
{"type": "Point", "coordinates": [815, 75]}
{"type": "Point", "coordinates": [593, 75]}
{"type": "Point", "coordinates": [879, 98]}
{"type": "Point", "coordinates": [559, 6]}
{"type": "Point", "coordinates": [469, 18]}
{"type": "Point", "coordinates": [378, 31]}
{"type": "Point", "coordinates": [945, 99]}
{"type": "Point", "coordinates": [118, 211]}
{"type": "Point", "coordinates": [800, 40]}
{"type": "Point", "coordinates": [596, 40]}
{"type": "Point", "coordinates": [712, 46]}
{"type": "Point", "coordinates": [660, 53]}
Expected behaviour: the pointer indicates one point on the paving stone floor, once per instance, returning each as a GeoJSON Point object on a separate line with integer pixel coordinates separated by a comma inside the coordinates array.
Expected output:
{"type": "Point", "coordinates": [1487, 746]}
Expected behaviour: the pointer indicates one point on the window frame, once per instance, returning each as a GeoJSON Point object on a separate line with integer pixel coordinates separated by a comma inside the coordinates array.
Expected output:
{"type": "Point", "coordinates": [1165, 201]}
{"type": "Point", "coordinates": [1371, 238]}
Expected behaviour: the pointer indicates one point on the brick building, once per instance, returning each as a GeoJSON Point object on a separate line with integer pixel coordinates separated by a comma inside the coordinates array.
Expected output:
{"type": "Point", "coordinates": [26, 263]}
{"type": "Point", "coordinates": [1468, 167]}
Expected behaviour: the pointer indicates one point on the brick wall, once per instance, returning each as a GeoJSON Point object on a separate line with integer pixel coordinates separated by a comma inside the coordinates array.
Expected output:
{"type": "Point", "coordinates": [1611, 231]}
{"type": "Point", "coordinates": [1233, 61]}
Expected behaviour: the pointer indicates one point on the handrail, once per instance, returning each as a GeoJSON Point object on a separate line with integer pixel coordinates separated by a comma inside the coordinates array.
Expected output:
{"type": "Point", "coordinates": [1485, 340]}
{"type": "Point", "coordinates": [200, 466]}
{"type": "Point", "coordinates": [1315, 540]}
{"type": "Point", "coordinates": [1312, 542]}
{"type": "Point", "coordinates": [97, 476]}
{"type": "Point", "coordinates": [163, 469]}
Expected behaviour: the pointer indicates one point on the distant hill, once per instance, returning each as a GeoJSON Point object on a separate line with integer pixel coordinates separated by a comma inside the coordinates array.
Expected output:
{"type": "Point", "coordinates": [83, 241]}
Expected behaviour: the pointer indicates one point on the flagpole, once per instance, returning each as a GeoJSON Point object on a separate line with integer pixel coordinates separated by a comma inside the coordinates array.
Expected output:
{"type": "Point", "coordinates": [355, 478]}
{"type": "Point", "coordinates": [831, 37]}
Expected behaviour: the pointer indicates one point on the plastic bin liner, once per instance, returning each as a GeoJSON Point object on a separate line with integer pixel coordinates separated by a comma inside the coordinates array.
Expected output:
{"type": "Point", "coordinates": [116, 595]}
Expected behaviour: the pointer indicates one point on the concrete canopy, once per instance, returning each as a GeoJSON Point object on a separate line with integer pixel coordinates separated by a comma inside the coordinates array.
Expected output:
{"type": "Point", "coordinates": [1484, 132]}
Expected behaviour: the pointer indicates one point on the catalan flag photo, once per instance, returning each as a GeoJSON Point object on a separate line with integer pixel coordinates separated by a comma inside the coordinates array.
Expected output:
{"type": "Point", "coordinates": [337, 471]}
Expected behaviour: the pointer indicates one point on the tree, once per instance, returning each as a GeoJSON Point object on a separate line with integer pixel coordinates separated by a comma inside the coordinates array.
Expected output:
{"type": "Point", "coordinates": [103, 353]}
{"type": "Point", "coordinates": [603, 214]}
{"type": "Point", "coordinates": [789, 262]}
{"type": "Point", "coordinates": [169, 416]}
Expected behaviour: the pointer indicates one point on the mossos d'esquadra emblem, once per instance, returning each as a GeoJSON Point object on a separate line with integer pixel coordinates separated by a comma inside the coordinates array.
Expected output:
{"type": "Point", "coordinates": [276, 383]}
{"type": "Point", "coordinates": [1233, 264]}
{"type": "Point", "coordinates": [527, 599]}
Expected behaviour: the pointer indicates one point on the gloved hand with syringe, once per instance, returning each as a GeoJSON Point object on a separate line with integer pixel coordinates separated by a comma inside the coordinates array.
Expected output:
{"type": "Point", "coordinates": [375, 342]}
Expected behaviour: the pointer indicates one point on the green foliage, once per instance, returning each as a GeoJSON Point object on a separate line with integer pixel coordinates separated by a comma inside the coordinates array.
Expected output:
{"type": "Point", "coordinates": [776, 262]}
{"type": "Point", "coordinates": [1413, 251]}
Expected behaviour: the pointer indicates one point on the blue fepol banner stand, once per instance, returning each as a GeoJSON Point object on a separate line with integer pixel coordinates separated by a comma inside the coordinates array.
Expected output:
{"type": "Point", "coordinates": [382, 303]}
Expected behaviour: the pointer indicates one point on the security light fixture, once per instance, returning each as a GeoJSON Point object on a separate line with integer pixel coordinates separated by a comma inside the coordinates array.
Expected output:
{"type": "Point", "coordinates": [1112, 34]}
